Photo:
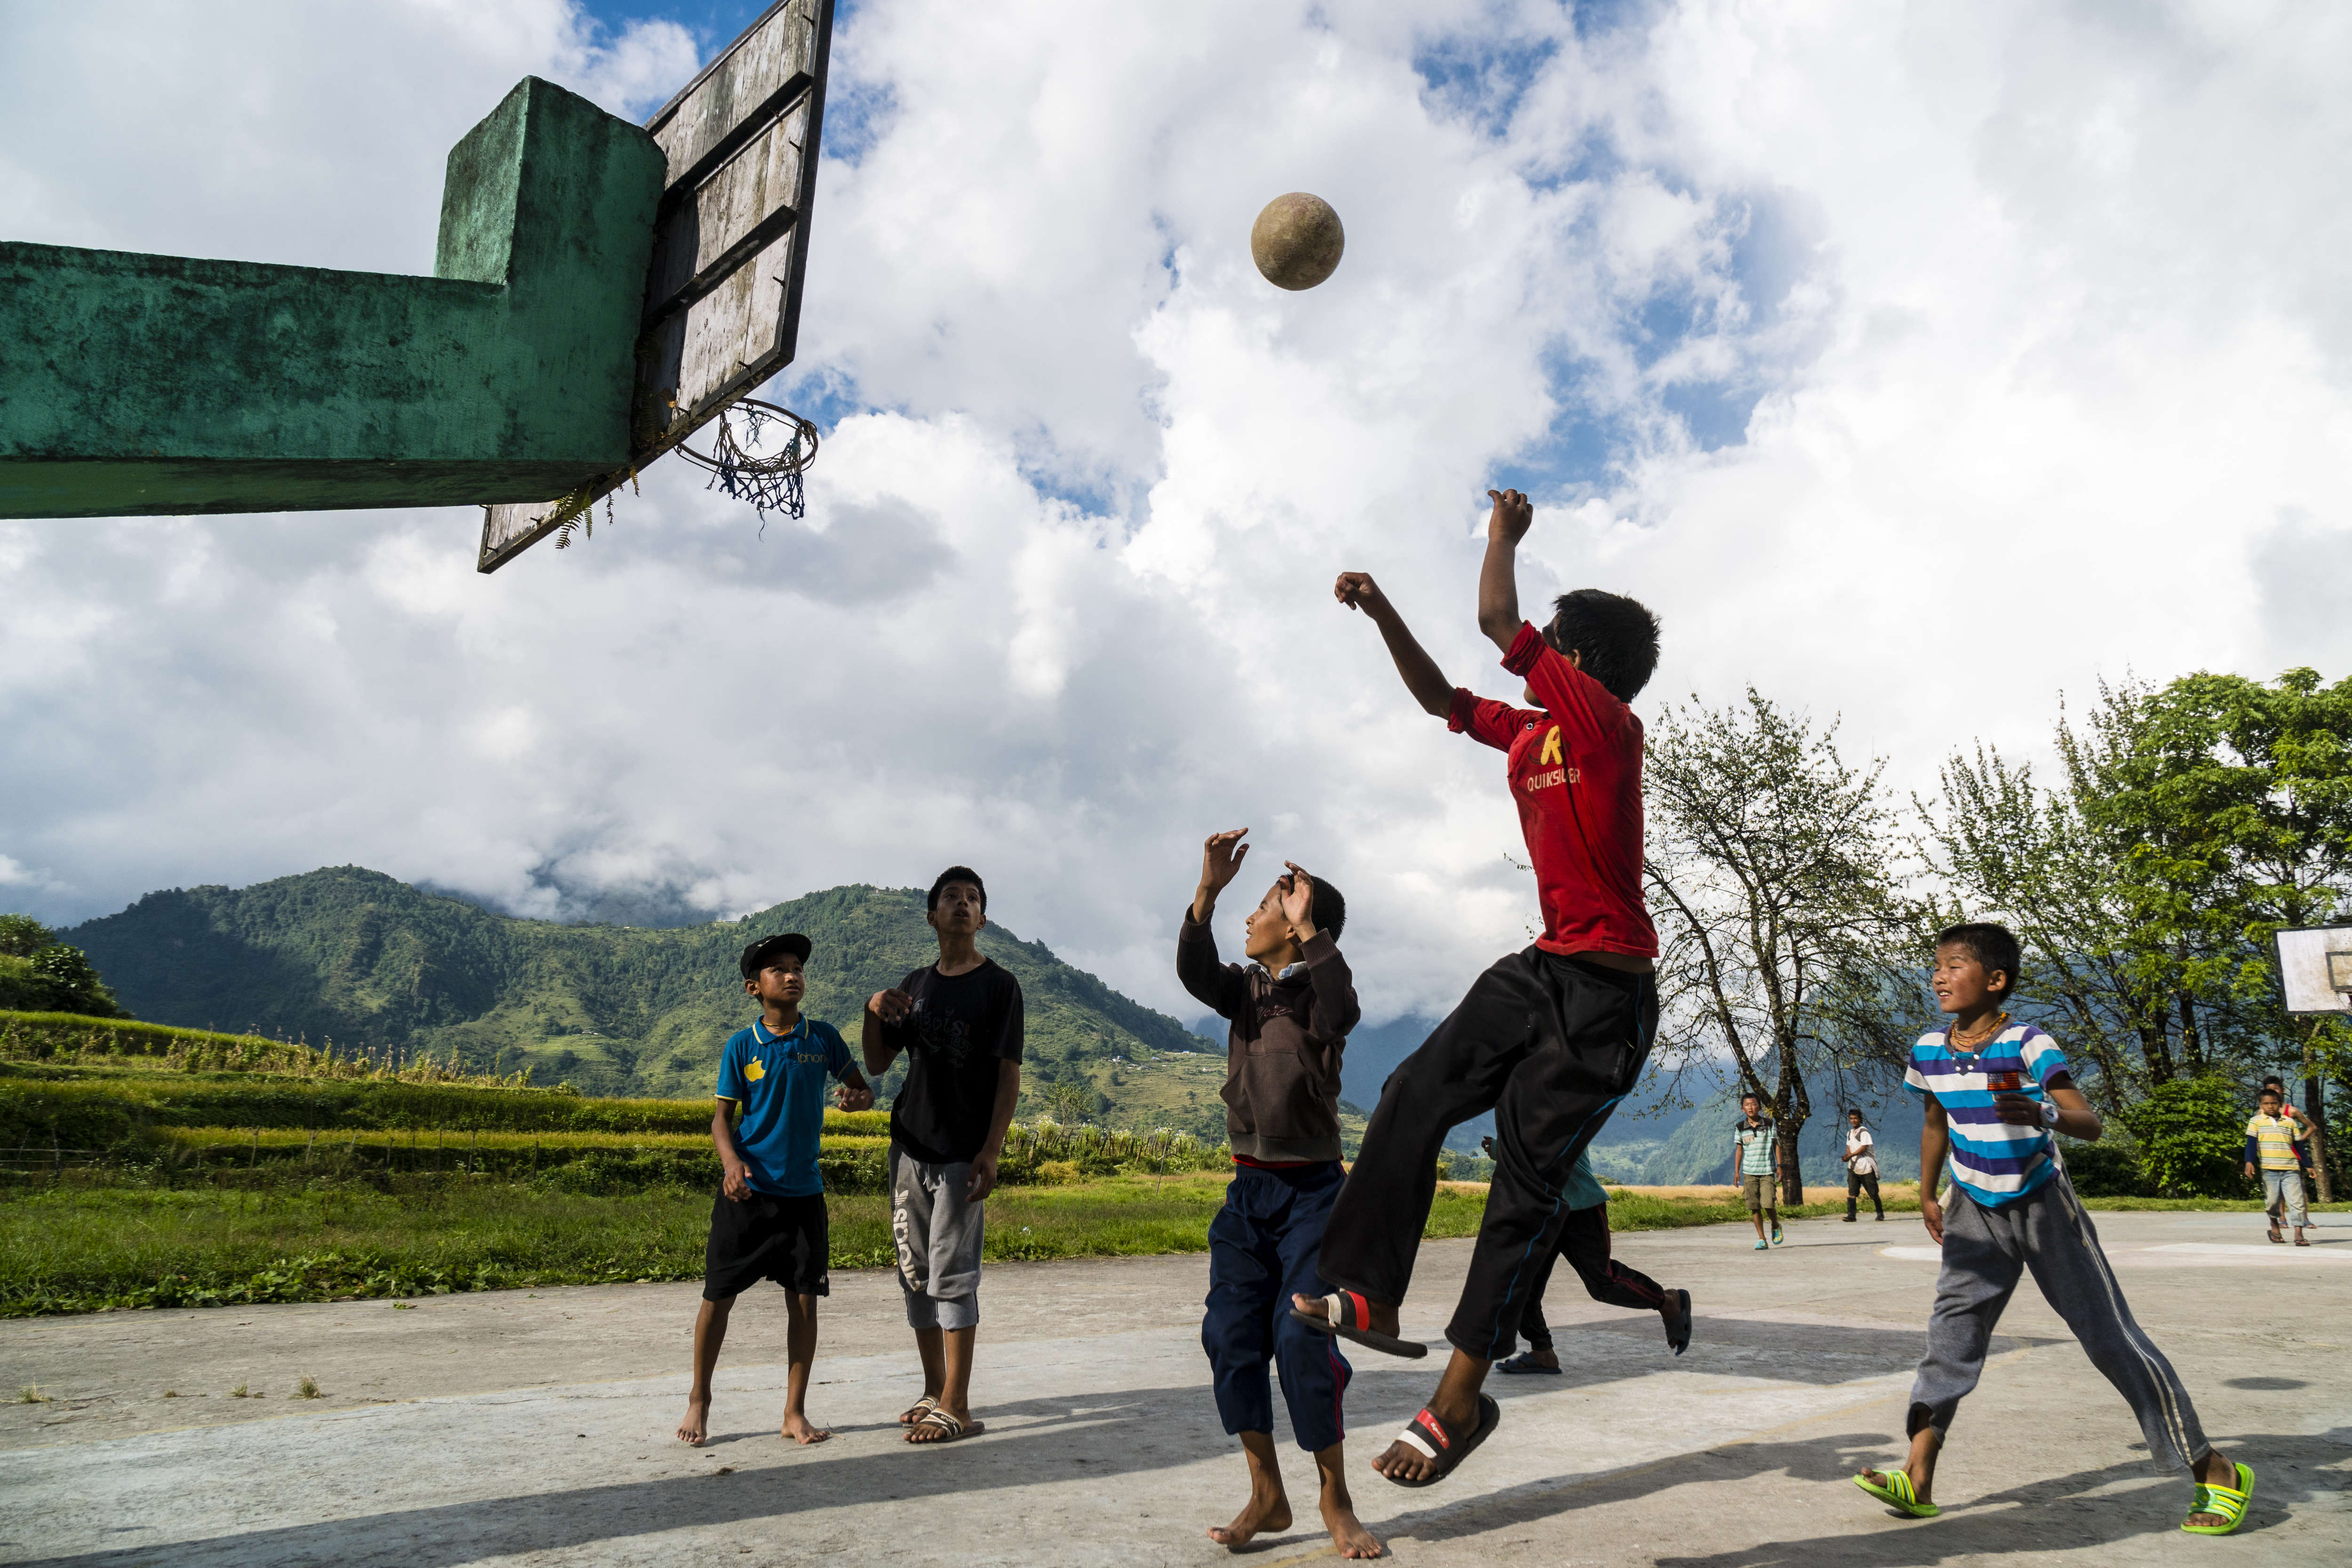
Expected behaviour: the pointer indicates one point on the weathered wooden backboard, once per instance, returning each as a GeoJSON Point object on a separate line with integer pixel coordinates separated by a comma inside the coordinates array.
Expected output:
{"type": "Point", "coordinates": [2315, 969]}
{"type": "Point", "coordinates": [730, 241]}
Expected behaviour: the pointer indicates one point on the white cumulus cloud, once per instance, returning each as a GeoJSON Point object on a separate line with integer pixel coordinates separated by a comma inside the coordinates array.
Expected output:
{"type": "Point", "coordinates": [1913, 362]}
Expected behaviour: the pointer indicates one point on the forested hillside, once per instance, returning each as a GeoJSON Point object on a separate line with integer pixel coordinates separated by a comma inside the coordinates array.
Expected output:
{"type": "Point", "coordinates": [356, 957]}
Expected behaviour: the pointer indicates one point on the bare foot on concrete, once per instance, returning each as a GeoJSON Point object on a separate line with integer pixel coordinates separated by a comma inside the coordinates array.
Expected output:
{"type": "Point", "coordinates": [1348, 1532]}
{"type": "Point", "coordinates": [696, 1428]}
{"type": "Point", "coordinates": [804, 1431]}
{"type": "Point", "coordinates": [1264, 1513]}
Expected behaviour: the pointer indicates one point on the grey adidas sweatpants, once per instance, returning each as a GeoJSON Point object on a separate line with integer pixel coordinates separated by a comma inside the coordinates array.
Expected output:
{"type": "Point", "coordinates": [939, 1234]}
{"type": "Point", "coordinates": [1985, 1251]}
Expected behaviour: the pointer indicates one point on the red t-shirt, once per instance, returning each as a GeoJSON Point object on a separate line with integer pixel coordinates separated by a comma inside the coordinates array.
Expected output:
{"type": "Point", "coordinates": [1576, 773]}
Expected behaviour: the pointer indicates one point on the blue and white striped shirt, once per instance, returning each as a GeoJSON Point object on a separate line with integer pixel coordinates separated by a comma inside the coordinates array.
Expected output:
{"type": "Point", "coordinates": [1995, 1161]}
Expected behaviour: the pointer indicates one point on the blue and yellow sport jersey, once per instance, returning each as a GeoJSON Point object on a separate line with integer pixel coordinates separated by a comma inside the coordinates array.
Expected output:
{"type": "Point", "coordinates": [1583, 1189]}
{"type": "Point", "coordinates": [2274, 1144]}
{"type": "Point", "coordinates": [1993, 1160]}
{"type": "Point", "coordinates": [778, 1083]}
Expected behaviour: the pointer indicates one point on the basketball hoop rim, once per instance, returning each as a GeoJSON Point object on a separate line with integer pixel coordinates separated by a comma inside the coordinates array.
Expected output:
{"type": "Point", "coordinates": [805, 429]}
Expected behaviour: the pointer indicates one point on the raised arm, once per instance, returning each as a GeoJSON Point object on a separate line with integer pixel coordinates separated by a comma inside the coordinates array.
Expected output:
{"type": "Point", "coordinates": [1333, 1010]}
{"type": "Point", "coordinates": [1216, 987]}
{"type": "Point", "coordinates": [1421, 677]}
{"type": "Point", "coordinates": [1499, 579]}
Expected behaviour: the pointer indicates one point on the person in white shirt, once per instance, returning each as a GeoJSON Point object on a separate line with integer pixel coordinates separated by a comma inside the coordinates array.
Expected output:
{"type": "Point", "coordinates": [1861, 1167]}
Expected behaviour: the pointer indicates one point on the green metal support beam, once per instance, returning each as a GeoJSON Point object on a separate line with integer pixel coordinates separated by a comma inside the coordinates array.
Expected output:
{"type": "Point", "coordinates": [136, 384]}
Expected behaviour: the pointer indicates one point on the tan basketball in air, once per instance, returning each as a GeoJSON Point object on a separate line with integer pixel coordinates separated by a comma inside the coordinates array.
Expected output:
{"type": "Point", "coordinates": [1296, 241]}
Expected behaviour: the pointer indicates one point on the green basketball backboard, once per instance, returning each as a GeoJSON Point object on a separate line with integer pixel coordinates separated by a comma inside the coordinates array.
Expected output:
{"type": "Point", "coordinates": [599, 291]}
{"type": "Point", "coordinates": [723, 298]}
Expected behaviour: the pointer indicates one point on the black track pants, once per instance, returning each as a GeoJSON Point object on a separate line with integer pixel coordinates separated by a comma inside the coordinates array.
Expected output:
{"type": "Point", "coordinates": [1584, 1242]}
{"type": "Point", "coordinates": [1549, 1045]}
{"type": "Point", "coordinates": [1859, 1182]}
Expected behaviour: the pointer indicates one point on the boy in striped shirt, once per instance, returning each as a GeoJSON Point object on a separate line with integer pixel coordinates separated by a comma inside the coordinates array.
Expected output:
{"type": "Point", "coordinates": [2276, 1152]}
{"type": "Point", "coordinates": [1995, 1090]}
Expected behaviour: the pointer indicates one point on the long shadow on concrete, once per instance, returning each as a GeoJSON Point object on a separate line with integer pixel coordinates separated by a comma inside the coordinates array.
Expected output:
{"type": "Point", "coordinates": [1080, 1434]}
{"type": "Point", "coordinates": [2050, 1514]}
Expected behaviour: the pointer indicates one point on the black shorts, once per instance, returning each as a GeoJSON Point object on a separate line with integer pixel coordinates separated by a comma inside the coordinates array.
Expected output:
{"type": "Point", "coordinates": [766, 1238]}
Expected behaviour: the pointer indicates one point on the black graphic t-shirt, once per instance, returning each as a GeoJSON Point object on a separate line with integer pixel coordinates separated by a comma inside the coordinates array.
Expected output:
{"type": "Point", "coordinates": [961, 1027]}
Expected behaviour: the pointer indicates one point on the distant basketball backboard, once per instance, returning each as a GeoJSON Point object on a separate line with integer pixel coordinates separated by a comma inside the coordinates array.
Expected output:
{"type": "Point", "coordinates": [730, 241]}
{"type": "Point", "coordinates": [2315, 965]}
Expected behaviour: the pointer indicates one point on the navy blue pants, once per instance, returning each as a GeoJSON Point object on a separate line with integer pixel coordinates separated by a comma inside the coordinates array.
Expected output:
{"type": "Point", "coordinates": [1262, 1247]}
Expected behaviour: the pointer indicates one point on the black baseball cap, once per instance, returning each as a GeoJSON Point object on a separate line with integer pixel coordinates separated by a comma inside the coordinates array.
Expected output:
{"type": "Point", "coordinates": [766, 951]}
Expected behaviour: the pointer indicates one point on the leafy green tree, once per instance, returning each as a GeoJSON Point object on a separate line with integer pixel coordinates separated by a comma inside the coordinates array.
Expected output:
{"type": "Point", "coordinates": [2135, 1000]}
{"type": "Point", "coordinates": [1785, 937]}
{"type": "Point", "coordinates": [2242, 790]}
{"type": "Point", "coordinates": [21, 936]}
{"type": "Point", "coordinates": [1067, 1100]}
{"type": "Point", "coordinates": [2191, 1138]}
{"type": "Point", "coordinates": [2196, 819]}
{"type": "Point", "coordinates": [40, 975]}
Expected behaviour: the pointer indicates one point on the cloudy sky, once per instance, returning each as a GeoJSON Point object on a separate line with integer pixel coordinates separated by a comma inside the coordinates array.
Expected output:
{"type": "Point", "coordinates": [1917, 363]}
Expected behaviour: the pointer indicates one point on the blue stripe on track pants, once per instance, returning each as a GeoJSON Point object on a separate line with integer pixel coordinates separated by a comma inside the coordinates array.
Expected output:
{"type": "Point", "coordinates": [1262, 1247]}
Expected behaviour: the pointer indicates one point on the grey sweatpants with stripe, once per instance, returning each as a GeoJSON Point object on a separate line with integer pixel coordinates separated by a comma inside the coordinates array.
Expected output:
{"type": "Point", "coordinates": [1985, 1251]}
{"type": "Point", "coordinates": [939, 1232]}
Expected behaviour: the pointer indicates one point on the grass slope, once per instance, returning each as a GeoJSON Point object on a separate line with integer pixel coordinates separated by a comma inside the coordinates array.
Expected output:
{"type": "Point", "coordinates": [74, 1248]}
{"type": "Point", "coordinates": [356, 957]}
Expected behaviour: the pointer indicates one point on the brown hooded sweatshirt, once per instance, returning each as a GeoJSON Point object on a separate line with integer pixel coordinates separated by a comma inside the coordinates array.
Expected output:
{"type": "Point", "coordinates": [1282, 1057]}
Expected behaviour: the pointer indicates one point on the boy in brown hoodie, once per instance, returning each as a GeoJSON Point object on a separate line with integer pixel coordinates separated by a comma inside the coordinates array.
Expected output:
{"type": "Point", "coordinates": [1290, 1010]}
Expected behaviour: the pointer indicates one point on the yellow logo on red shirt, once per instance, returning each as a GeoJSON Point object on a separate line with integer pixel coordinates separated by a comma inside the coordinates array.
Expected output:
{"type": "Point", "coordinates": [1549, 753]}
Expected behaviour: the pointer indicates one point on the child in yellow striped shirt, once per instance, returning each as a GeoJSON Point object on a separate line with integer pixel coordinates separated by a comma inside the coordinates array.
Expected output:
{"type": "Point", "coordinates": [2276, 1152]}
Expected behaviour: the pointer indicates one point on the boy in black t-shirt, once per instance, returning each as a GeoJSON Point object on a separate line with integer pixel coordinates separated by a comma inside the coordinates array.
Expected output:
{"type": "Point", "coordinates": [958, 1021]}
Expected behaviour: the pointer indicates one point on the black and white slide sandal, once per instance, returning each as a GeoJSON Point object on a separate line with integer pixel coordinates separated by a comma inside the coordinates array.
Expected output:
{"type": "Point", "coordinates": [1349, 1316]}
{"type": "Point", "coordinates": [1428, 1434]}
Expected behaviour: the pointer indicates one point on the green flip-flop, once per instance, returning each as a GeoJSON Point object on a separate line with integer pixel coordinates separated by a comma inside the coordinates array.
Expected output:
{"type": "Point", "coordinates": [2230, 1502]}
{"type": "Point", "coordinates": [1898, 1493]}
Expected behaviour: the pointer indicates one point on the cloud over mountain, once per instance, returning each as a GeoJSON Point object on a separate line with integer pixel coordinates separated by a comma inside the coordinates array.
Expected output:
{"type": "Point", "coordinates": [1914, 363]}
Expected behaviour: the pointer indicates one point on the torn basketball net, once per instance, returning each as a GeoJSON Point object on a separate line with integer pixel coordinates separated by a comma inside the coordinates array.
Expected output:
{"type": "Point", "coordinates": [771, 482]}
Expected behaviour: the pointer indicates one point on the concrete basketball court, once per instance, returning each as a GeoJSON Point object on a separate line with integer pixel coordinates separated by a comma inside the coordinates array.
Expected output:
{"type": "Point", "coordinates": [517, 1427]}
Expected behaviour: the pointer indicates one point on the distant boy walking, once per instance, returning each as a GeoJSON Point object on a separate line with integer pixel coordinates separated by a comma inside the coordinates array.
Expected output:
{"type": "Point", "coordinates": [1756, 1160]}
{"type": "Point", "coordinates": [1290, 1010]}
{"type": "Point", "coordinates": [769, 1219]}
{"type": "Point", "coordinates": [1861, 1166]}
{"type": "Point", "coordinates": [2276, 1152]}
{"type": "Point", "coordinates": [960, 1023]}
{"type": "Point", "coordinates": [1549, 1040]}
{"type": "Point", "coordinates": [1995, 1091]}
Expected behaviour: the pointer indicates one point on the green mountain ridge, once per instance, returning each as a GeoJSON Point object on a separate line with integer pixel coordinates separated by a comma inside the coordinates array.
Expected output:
{"type": "Point", "coordinates": [353, 956]}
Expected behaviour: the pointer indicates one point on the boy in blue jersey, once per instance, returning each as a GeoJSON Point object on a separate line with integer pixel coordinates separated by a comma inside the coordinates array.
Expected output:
{"type": "Point", "coordinates": [1584, 1242]}
{"type": "Point", "coordinates": [1995, 1090]}
{"type": "Point", "coordinates": [769, 1219]}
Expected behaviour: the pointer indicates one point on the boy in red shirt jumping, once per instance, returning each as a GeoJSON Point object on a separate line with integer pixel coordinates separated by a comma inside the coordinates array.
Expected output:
{"type": "Point", "coordinates": [1549, 1040]}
